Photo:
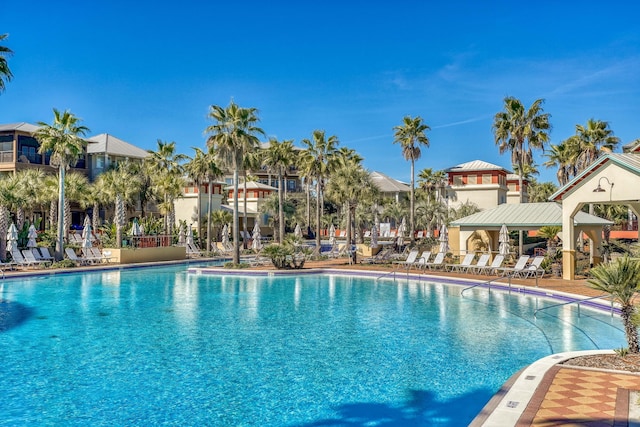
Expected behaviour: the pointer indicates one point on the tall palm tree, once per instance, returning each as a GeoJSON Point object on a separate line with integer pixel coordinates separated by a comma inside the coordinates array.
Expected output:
{"type": "Point", "coordinates": [32, 189]}
{"type": "Point", "coordinates": [519, 131]}
{"type": "Point", "coordinates": [594, 139]}
{"type": "Point", "coordinates": [165, 164]}
{"type": "Point", "coordinates": [233, 134]}
{"type": "Point", "coordinates": [564, 157]}
{"type": "Point", "coordinates": [541, 191]}
{"type": "Point", "coordinates": [63, 140]}
{"type": "Point", "coordinates": [76, 187]}
{"type": "Point", "coordinates": [318, 161]}
{"type": "Point", "coordinates": [620, 279]}
{"type": "Point", "coordinates": [119, 187]}
{"type": "Point", "coordinates": [277, 158]}
{"type": "Point", "coordinates": [5, 72]}
{"type": "Point", "coordinates": [202, 167]}
{"type": "Point", "coordinates": [411, 135]}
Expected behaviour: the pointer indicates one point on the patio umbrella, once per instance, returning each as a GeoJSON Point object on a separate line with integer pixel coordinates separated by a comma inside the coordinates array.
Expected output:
{"type": "Point", "coordinates": [12, 238]}
{"type": "Point", "coordinates": [374, 237]}
{"type": "Point", "coordinates": [332, 235]}
{"type": "Point", "coordinates": [33, 234]}
{"type": "Point", "coordinates": [256, 244]}
{"type": "Point", "coordinates": [225, 236]}
{"type": "Point", "coordinates": [298, 231]}
{"type": "Point", "coordinates": [182, 238]}
{"type": "Point", "coordinates": [86, 236]}
{"type": "Point", "coordinates": [136, 229]}
{"type": "Point", "coordinates": [503, 238]}
{"type": "Point", "coordinates": [189, 235]}
{"type": "Point", "coordinates": [401, 229]}
{"type": "Point", "coordinates": [444, 239]}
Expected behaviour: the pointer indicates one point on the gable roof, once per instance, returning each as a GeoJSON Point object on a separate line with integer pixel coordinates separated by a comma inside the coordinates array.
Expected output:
{"type": "Point", "coordinates": [475, 165]}
{"type": "Point", "coordinates": [252, 185]}
{"type": "Point", "coordinates": [386, 184]}
{"type": "Point", "coordinates": [629, 161]}
{"type": "Point", "coordinates": [525, 216]}
{"type": "Point", "coordinates": [109, 144]}
{"type": "Point", "coordinates": [631, 147]}
{"type": "Point", "coordinates": [22, 126]}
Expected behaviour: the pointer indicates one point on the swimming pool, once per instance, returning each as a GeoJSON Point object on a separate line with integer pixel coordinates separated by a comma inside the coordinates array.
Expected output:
{"type": "Point", "coordinates": [153, 346]}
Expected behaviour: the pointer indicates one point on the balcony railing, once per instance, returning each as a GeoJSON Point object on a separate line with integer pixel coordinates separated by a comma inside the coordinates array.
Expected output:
{"type": "Point", "coordinates": [6, 156]}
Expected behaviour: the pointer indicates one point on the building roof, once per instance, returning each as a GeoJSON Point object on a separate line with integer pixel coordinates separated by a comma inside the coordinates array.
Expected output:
{"type": "Point", "coordinates": [229, 208]}
{"type": "Point", "coordinates": [632, 146]}
{"type": "Point", "coordinates": [22, 126]}
{"type": "Point", "coordinates": [253, 185]}
{"type": "Point", "coordinates": [525, 216]}
{"type": "Point", "coordinates": [475, 165]}
{"type": "Point", "coordinates": [109, 144]}
{"type": "Point", "coordinates": [629, 161]}
{"type": "Point", "coordinates": [386, 184]}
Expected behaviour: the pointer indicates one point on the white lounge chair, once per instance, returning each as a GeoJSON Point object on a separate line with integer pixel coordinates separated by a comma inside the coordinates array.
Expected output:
{"type": "Point", "coordinates": [464, 264]}
{"type": "Point", "coordinates": [516, 269]}
{"type": "Point", "coordinates": [71, 254]}
{"type": "Point", "coordinates": [192, 251]}
{"type": "Point", "coordinates": [44, 253]}
{"type": "Point", "coordinates": [411, 258]}
{"type": "Point", "coordinates": [533, 269]}
{"type": "Point", "coordinates": [101, 255]}
{"type": "Point", "coordinates": [31, 259]}
{"type": "Point", "coordinates": [494, 268]}
{"type": "Point", "coordinates": [438, 261]}
{"type": "Point", "coordinates": [482, 263]}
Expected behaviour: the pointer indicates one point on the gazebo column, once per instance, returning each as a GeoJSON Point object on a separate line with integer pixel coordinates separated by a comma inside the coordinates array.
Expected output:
{"type": "Point", "coordinates": [595, 235]}
{"type": "Point", "coordinates": [635, 207]}
{"type": "Point", "coordinates": [569, 240]}
{"type": "Point", "coordinates": [465, 235]}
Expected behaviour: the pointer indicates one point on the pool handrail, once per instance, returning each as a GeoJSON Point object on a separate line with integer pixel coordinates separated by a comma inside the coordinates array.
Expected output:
{"type": "Point", "coordinates": [535, 312]}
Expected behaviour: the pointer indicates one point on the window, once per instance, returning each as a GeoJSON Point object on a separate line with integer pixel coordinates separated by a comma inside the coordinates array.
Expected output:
{"type": "Point", "coordinates": [512, 186]}
{"type": "Point", "coordinates": [291, 184]}
{"type": "Point", "coordinates": [486, 179]}
{"type": "Point", "coordinates": [28, 147]}
{"type": "Point", "coordinates": [457, 180]}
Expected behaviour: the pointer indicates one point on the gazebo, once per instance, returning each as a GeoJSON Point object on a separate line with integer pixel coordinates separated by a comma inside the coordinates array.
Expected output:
{"type": "Point", "coordinates": [612, 179]}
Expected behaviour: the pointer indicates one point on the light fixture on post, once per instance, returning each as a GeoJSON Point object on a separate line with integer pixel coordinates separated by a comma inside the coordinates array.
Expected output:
{"type": "Point", "coordinates": [599, 188]}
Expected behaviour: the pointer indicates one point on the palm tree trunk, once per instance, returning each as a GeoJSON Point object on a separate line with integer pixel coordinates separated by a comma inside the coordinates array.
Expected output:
{"type": "Point", "coordinates": [60, 241]}
{"type": "Point", "coordinates": [308, 190]}
{"type": "Point", "coordinates": [630, 330]}
{"type": "Point", "coordinates": [280, 210]}
{"type": "Point", "coordinates": [236, 219]}
{"type": "Point", "coordinates": [199, 208]}
{"type": "Point", "coordinates": [53, 214]}
{"type": "Point", "coordinates": [318, 209]}
{"type": "Point", "coordinates": [413, 197]}
{"type": "Point", "coordinates": [95, 216]}
{"type": "Point", "coordinates": [20, 218]}
{"type": "Point", "coordinates": [4, 225]}
{"type": "Point", "coordinates": [209, 202]}
{"type": "Point", "coordinates": [244, 209]}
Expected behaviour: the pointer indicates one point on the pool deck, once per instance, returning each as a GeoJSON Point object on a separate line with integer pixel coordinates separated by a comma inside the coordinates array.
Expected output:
{"type": "Point", "coordinates": [542, 394]}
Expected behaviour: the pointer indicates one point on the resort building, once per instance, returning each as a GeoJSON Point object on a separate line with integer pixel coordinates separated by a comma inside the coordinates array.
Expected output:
{"type": "Point", "coordinates": [484, 184]}
{"type": "Point", "coordinates": [106, 151]}
{"type": "Point", "coordinates": [390, 187]}
{"type": "Point", "coordinates": [186, 207]}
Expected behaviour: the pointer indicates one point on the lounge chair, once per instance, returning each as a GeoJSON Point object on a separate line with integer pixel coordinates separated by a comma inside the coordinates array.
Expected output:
{"type": "Point", "coordinates": [516, 269]}
{"type": "Point", "coordinates": [482, 263]}
{"type": "Point", "coordinates": [381, 257]}
{"type": "Point", "coordinates": [20, 261]}
{"type": "Point", "coordinates": [44, 253]}
{"type": "Point", "coordinates": [100, 254]}
{"type": "Point", "coordinates": [411, 258]}
{"type": "Point", "coordinates": [71, 254]}
{"type": "Point", "coordinates": [334, 252]}
{"type": "Point", "coordinates": [31, 259]}
{"type": "Point", "coordinates": [193, 251]}
{"type": "Point", "coordinates": [438, 261]}
{"type": "Point", "coordinates": [533, 269]}
{"type": "Point", "coordinates": [464, 264]}
{"type": "Point", "coordinates": [493, 268]}
{"type": "Point", "coordinates": [423, 260]}
{"type": "Point", "coordinates": [91, 256]}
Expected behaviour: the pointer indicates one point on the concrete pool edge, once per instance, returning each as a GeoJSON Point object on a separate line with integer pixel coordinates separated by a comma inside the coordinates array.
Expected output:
{"type": "Point", "coordinates": [507, 406]}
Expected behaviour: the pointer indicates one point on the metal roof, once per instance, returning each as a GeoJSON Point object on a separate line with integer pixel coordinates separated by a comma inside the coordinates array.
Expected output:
{"type": "Point", "coordinates": [105, 143]}
{"type": "Point", "coordinates": [632, 146]}
{"type": "Point", "coordinates": [22, 126]}
{"type": "Point", "coordinates": [386, 184]}
{"type": "Point", "coordinates": [629, 161]}
{"type": "Point", "coordinates": [475, 165]}
{"type": "Point", "coordinates": [252, 185]}
{"type": "Point", "coordinates": [525, 216]}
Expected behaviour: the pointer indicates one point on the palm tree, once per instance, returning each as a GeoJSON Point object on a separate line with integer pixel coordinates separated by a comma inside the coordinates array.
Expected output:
{"type": "Point", "coordinates": [233, 135]}
{"type": "Point", "coordinates": [564, 157]}
{"type": "Point", "coordinates": [594, 139]}
{"type": "Point", "coordinates": [164, 164]}
{"type": "Point", "coordinates": [432, 182]}
{"type": "Point", "coordinates": [119, 187]}
{"type": "Point", "coordinates": [277, 159]}
{"type": "Point", "coordinates": [519, 131]}
{"type": "Point", "coordinates": [63, 140]}
{"type": "Point", "coordinates": [203, 168]}
{"type": "Point", "coordinates": [620, 279]}
{"type": "Point", "coordinates": [5, 72]}
{"type": "Point", "coordinates": [541, 191]}
{"type": "Point", "coordinates": [32, 190]}
{"type": "Point", "coordinates": [411, 135]}
{"type": "Point", "coordinates": [318, 161]}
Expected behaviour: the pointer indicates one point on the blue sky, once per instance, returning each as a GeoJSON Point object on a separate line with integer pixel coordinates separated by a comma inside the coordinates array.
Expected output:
{"type": "Point", "coordinates": [144, 71]}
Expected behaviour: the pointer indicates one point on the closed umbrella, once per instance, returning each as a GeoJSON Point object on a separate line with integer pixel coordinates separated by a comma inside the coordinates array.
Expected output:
{"type": "Point", "coordinates": [136, 229]}
{"type": "Point", "coordinates": [256, 244]}
{"type": "Point", "coordinates": [189, 237]}
{"type": "Point", "coordinates": [12, 238]}
{"type": "Point", "coordinates": [503, 238]}
{"type": "Point", "coordinates": [33, 234]}
{"type": "Point", "coordinates": [298, 231]}
{"type": "Point", "coordinates": [401, 229]}
{"type": "Point", "coordinates": [182, 238]}
{"type": "Point", "coordinates": [374, 236]}
{"type": "Point", "coordinates": [444, 239]}
{"type": "Point", "coordinates": [86, 236]}
{"type": "Point", "coordinates": [225, 236]}
{"type": "Point", "coordinates": [332, 235]}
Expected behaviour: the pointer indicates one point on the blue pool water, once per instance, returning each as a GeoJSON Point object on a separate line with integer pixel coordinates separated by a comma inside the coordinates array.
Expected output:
{"type": "Point", "coordinates": [161, 346]}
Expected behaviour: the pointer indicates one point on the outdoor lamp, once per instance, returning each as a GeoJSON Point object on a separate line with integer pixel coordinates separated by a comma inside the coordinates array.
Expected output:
{"type": "Point", "coordinates": [599, 189]}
